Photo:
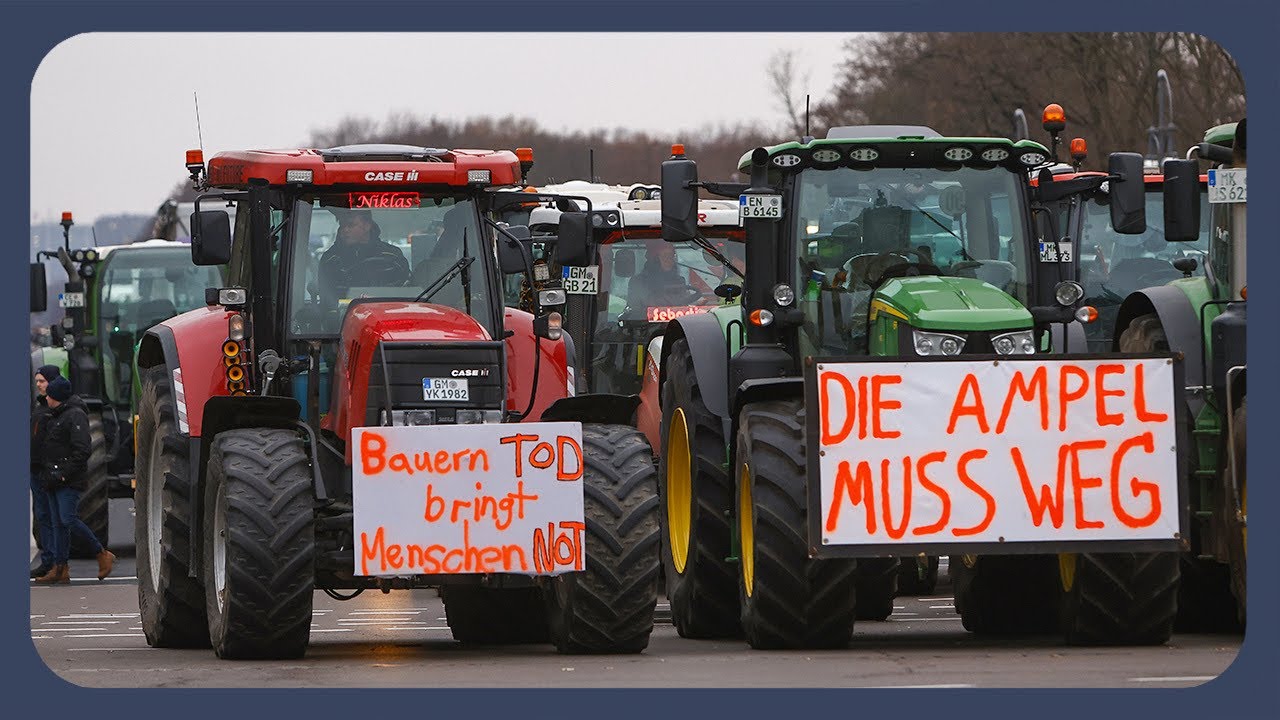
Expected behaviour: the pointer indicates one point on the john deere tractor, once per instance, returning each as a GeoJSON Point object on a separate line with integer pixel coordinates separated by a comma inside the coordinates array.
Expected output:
{"type": "Point", "coordinates": [891, 250]}
{"type": "Point", "coordinates": [1203, 317]}
{"type": "Point", "coordinates": [113, 295]}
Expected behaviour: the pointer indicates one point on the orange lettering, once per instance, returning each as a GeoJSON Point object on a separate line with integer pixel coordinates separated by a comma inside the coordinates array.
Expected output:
{"type": "Point", "coordinates": [824, 380]}
{"type": "Point", "coordinates": [1101, 394]}
{"type": "Point", "coordinates": [542, 464]}
{"type": "Point", "coordinates": [1147, 442]}
{"type": "Point", "coordinates": [517, 439]}
{"type": "Point", "coordinates": [1047, 499]}
{"type": "Point", "coordinates": [372, 447]}
{"type": "Point", "coordinates": [1140, 400]}
{"type": "Point", "coordinates": [877, 405]}
{"type": "Point", "coordinates": [1028, 390]}
{"type": "Point", "coordinates": [857, 490]}
{"type": "Point", "coordinates": [562, 442]}
{"type": "Point", "coordinates": [862, 407]}
{"type": "Point", "coordinates": [433, 501]}
{"type": "Point", "coordinates": [925, 461]}
{"type": "Point", "coordinates": [1067, 396]}
{"type": "Point", "coordinates": [895, 533]}
{"type": "Point", "coordinates": [969, 483]}
{"type": "Point", "coordinates": [369, 552]}
{"type": "Point", "coordinates": [976, 409]}
{"type": "Point", "coordinates": [1080, 484]}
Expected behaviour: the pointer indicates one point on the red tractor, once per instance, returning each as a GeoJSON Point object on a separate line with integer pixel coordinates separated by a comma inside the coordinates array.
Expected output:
{"type": "Point", "coordinates": [357, 410]}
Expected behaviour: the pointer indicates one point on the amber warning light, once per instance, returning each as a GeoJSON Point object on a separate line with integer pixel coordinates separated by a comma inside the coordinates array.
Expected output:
{"type": "Point", "coordinates": [1054, 118]}
{"type": "Point", "coordinates": [391, 200]}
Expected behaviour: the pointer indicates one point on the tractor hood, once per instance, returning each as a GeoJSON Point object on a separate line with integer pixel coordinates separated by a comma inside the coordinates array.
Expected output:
{"type": "Point", "coordinates": [951, 303]}
{"type": "Point", "coordinates": [401, 320]}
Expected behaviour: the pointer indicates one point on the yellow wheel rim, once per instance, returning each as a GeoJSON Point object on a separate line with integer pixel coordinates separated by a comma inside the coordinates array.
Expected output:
{"type": "Point", "coordinates": [969, 561]}
{"type": "Point", "coordinates": [746, 531]}
{"type": "Point", "coordinates": [1067, 570]}
{"type": "Point", "coordinates": [679, 489]}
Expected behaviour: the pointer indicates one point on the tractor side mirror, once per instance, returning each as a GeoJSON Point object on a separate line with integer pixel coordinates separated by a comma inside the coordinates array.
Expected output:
{"type": "Point", "coordinates": [39, 288]}
{"type": "Point", "coordinates": [1181, 200]}
{"type": "Point", "coordinates": [511, 256]}
{"type": "Point", "coordinates": [1128, 196]}
{"type": "Point", "coordinates": [679, 198]}
{"type": "Point", "coordinates": [624, 263]}
{"type": "Point", "coordinates": [573, 239]}
{"type": "Point", "coordinates": [210, 237]}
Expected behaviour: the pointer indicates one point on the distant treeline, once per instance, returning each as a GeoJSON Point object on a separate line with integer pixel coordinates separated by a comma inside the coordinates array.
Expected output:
{"type": "Point", "coordinates": [962, 84]}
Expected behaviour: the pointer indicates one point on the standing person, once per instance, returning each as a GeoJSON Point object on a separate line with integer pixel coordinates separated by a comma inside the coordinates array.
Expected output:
{"type": "Point", "coordinates": [41, 501]}
{"type": "Point", "coordinates": [65, 453]}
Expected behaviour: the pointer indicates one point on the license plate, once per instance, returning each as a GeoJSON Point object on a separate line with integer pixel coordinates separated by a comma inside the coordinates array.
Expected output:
{"type": "Point", "coordinates": [1227, 186]}
{"type": "Point", "coordinates": [581, 280]}
{"type": "Point", "coordinates": [71, 300]}
{"type": "Point", "coordinates": [454, 389]}
{"type": "Point", "coordinates": [768, 207]}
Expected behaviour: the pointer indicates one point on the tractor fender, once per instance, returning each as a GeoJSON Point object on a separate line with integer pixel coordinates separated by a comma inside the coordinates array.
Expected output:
{"type": "Point", "coordinates": [1178, 317]}
{"type": "Point", "coordinates": [190, 347]}
{"type": "Point", "coordinates": [1068, 335]}
{"type": "Point", "coordinates": [594, 408]}
{"type": "Point", "coordinates": [710, 355]}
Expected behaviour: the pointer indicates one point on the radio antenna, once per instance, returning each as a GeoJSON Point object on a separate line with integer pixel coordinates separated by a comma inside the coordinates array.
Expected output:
{"type": "Point", "coordinates": [199, 134]}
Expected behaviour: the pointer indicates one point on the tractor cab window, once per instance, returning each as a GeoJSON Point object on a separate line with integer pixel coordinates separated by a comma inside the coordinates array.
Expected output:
{"type": "Point", "coordinates": [140, 288]}
{"type": "Point", "coordinates": [857, 229]}
{"type": "Point", "coordinates": [340, 253]}
{"type": "Point", "coordinates": [1113, 265]}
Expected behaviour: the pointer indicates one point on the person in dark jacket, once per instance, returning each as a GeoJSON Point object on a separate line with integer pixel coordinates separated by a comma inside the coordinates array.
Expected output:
{"type": "Point", "coordinates": [64, 452]}
{"type": "Point", "coordinates": [40, 500]}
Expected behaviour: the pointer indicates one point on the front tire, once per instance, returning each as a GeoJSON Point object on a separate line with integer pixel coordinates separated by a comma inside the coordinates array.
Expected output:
{"type": "Point", "coordinates": [1119, 598]}
{"type": "Point", "coordinates": [608, 607]}
{"type": "Point", "coordinates": [170, 602]}
{"type": "Point", "coordinates": [259, 549]}
{"type": "Point", "coordinates": [697, 494]}
{"type": "Point", "coordinates": [788, 599]}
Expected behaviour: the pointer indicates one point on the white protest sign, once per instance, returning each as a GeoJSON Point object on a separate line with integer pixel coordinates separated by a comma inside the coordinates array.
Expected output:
{"type": "Point", "coordinates": [450, 499]}
{"type": "Point", "coordinates": [1014, 451]}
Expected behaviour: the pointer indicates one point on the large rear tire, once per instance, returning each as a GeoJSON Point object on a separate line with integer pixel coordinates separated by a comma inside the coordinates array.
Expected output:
{"type": "Point", "coordinates": [495, 616]}
{"type": "Point", "coordinates": [1005, 594]}
{"type": "Point", "coordinates": [171, 603]}
{"type": "Point", "coordinates": [788, 600]}
{"type": "Point", "coordinates": [93, 501]}
{"type": "Point", "coordinates": [877, 586]}
{"type": "Point", "coordinates": [608, 607]}
{"type": "Point", "coordinates": [1119, 598]}
{"type": "Point", "coordinates": [259, 547]}
{"type": "Point", "coordinates": [697, 495]}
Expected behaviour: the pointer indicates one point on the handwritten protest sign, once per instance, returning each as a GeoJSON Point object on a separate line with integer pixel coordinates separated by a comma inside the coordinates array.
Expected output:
{"type": "Point", "coordinates": [996, 452]}
{"type": "Point", "coordinates": [454, 499]}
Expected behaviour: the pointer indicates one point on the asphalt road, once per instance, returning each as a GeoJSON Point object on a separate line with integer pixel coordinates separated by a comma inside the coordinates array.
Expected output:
{"type": "Point", "coordinates": [89, 634]}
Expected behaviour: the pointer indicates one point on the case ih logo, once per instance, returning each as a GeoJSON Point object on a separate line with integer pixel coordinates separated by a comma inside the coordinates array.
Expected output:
{"type": "Point", "coordinates": [384, 200]}
{"type": "Point", "coordinates": [470, 372]}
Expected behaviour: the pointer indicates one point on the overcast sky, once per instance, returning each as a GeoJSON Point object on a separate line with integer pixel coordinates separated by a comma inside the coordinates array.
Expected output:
{"type": "Point", "coordinates": [118, 108]}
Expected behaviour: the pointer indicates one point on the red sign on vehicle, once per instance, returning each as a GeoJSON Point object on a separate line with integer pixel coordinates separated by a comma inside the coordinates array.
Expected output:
{"type": "Point", "coordinates": [663, 314]}
{"type": "Point", "coordinates": [395, 200]}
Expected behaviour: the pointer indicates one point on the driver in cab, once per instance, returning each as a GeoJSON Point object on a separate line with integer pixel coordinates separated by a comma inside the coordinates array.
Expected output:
{"type": "Point", "coordinates": [359, 257]}
{"type": "Point", "coordinates": [660, 281]}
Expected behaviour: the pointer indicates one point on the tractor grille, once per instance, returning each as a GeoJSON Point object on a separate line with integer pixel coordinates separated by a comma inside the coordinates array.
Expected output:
{"type": "Point", "coordinates": [407, 363]}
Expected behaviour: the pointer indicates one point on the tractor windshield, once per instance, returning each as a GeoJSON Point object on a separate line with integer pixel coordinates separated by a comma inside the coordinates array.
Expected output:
{"type": "Point", "coordinates": [1113, 265]}
{"type": "Point", "coordinates": [645, 282]}
{"type": "Point", "coordinates": [140, 287]}
{"type": "Point", "coordinates": [857, 228]}
{"type": "Point", "coordinates": [395, 250]}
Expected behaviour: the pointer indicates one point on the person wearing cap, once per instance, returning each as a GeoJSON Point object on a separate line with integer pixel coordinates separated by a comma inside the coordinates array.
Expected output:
{"type": "Point", "coordinates": [359, 257]}
{"type": "Point", "coordinates": [64, 454]}
{"type": "Point", "coordinates": [40, 500]}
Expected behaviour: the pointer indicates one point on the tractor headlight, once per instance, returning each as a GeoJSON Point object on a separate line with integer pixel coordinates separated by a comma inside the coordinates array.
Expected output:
{"type": "Point", "coordinates": [783, 294]}
{"type": "Point", "coordinates": [1021, 342]}
{"type": "Point", "coordinates": [551, 296]}
{"type": "Point", "coordinates": [928, 343]}
{"type": "Point", "coordinates": [1068, 293]}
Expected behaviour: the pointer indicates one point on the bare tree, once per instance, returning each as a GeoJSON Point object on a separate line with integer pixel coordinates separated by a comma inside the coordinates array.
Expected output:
{"type": "Point", "coordinates": [783, 83]}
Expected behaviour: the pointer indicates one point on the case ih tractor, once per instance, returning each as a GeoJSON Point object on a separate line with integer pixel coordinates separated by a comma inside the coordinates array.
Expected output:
{"type": "Point", "coordinates": [839, 421]}
{"type": "Point", "coordinates": [1203, 317]}
{"type": "Point", "coordinates": [344, 417]}
{"type": "Point", "coordinates": [114, 294]}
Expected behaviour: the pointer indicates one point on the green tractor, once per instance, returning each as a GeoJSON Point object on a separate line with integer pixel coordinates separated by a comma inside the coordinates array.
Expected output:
{"type": "Point", "coordinates": [115, 293]}
{"type": "Point", "coordinates": [1203, 317]}
{"type": "Point", "coordinates": [876, 248]}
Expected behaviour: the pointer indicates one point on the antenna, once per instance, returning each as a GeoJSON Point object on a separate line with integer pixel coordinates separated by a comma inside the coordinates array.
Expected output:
{"type": "Point", "coordinates": [591, 164]}
{"type": "Point", "coordinates": [806, 114]}
{"type": "Point", "coordinates": [94, 229]}
{"type": "Point", "coordinates": [199, 134]}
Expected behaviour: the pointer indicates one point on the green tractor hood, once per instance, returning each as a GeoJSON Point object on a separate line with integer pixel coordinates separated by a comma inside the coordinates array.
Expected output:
{"type": "Point", "coordinates": [951, 303]}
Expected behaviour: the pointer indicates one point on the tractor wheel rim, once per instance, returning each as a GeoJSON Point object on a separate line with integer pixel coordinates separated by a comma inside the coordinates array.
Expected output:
{"type": "Point", "coordinates": [1067, 570]}
{"type": "Point", "coordinates": [155, 509]}
{"type": "Point", "coordinates": [746, 531]}
{"type": "Point", "coordinates": [220, 547]}
{"type": "Point", "coordinates": [679, 489]}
